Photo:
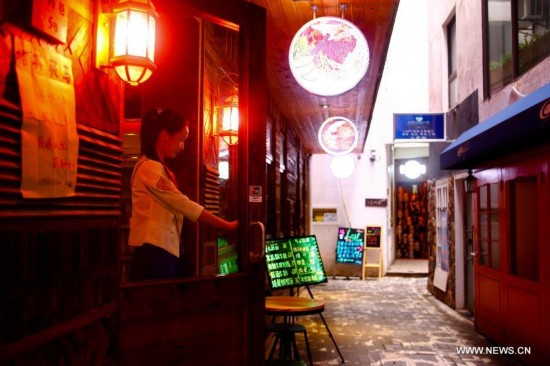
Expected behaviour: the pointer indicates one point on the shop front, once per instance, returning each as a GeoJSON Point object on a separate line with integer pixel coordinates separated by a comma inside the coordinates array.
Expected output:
{"type": "Point", "coordinates": [509, 156]}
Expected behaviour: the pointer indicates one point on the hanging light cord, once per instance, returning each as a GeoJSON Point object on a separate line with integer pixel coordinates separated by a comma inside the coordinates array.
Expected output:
{"type": "Point", "coordinates": [343, 8]}
{"type": "Point", "coordinates": [314, 10]}
{"type": "Point", "coordinates": [344, 202]}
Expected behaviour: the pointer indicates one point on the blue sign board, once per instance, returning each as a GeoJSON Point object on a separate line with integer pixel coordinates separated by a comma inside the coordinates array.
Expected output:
{"type": "Point", "coordinates": [424, 126]}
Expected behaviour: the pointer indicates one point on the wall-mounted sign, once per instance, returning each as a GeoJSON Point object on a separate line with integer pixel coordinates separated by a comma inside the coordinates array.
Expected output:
{"type": "Point", "coordinates": [324, 215]}
{"type": "Point", "coordinates": [328, 56]}
{"type": "Point", "coordinates": [426, 127]}
{"type": "Point", "coordinates": [255, 194]}
{"type": "Point", "coordinates": [376, 202]}
{"type": "Point", "coordinates": [51, 17]}
{"type": "Point", "coordinates": [412, 169]}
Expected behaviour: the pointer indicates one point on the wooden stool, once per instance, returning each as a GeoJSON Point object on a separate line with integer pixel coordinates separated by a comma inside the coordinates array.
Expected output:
{"type": "Point", "coordinates": [285, 363]}
{"type": "Point", "coordinates": [285, 333]}
{"type": "Point", "coordinates": [289, 307]}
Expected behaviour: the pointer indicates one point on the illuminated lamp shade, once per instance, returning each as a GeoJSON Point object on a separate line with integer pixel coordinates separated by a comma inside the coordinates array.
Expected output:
{"type": "Point", "coordinates": [342, 167]}
{"type": "Point", "coordinates": [230, 119]}
{"type": "Point", "coordinates": [133, 46]}
{"type": "Point", "coordinates": [338, 136]}
{"type": "Point", "coordinates": [328, 56]}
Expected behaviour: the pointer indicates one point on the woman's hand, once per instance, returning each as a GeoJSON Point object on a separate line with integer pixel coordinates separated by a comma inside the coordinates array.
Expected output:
{"type": "Point", "coordinates": [232, 225]}
{"type": "Point", "coordinates": [206, 217]}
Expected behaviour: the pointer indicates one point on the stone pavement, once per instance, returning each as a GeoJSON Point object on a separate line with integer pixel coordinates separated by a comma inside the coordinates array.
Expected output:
{"type": "Point", "coordinates": [390, 321]}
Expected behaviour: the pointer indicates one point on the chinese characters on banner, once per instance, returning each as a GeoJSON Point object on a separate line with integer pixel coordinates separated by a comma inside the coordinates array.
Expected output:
{"type": "Point", "coordinates": [51, 17]}
{"type": "Point", "coordinates": [49, 140]}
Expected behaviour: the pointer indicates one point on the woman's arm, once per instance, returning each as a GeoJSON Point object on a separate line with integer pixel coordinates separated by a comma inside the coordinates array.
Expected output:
{"type": "Point", "coordinates": [206, 217]}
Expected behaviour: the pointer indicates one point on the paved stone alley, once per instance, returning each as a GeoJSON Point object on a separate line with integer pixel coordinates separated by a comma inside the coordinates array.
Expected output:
{"type": "Point", "coordinates": [390, 321]}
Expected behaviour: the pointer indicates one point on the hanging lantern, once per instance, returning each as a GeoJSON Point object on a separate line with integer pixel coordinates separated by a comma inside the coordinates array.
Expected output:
{"type": "Point", "coordinates": [134, 41]}
{"type": "Point", "coordinates": [230, 119]}
{"type": "Point", "coordinates": [130, 49]}
{"type": "Point", "coordinates": [470, 183]}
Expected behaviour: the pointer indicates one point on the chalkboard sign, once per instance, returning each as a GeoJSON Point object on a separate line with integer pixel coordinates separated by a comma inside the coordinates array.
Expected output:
{"type": "Point", "coordinates": [294, 261]}
{"type": "Point", "coordinates": [373, 236]}
{"type": "Point", "coordinates": [349, 246]}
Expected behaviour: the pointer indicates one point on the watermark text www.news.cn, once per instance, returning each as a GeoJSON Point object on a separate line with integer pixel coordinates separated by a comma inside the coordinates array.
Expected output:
{"type": "Point", "coordinates": [493, 350]}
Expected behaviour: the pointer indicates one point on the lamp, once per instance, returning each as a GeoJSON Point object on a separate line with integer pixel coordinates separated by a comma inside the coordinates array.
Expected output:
{"type": "Point", "coordinates": [131, 50]}
{"type": "Point", "coordinates": [328, 55]}
{"type": "Point", "coordinates": [342, 166]}
{"type": "Point", "coordinates": [412, 169]}
{"type": "Point", "coordinates": [470, 182]}
{"type": "Point", "coordinates": [228, 112]}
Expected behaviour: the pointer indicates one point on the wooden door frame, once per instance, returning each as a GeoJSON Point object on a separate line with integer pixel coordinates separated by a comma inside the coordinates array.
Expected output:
{"type": "Point", "coordinates": [250, 20]}
{"type": "Point", "coordinates": [514, 288]}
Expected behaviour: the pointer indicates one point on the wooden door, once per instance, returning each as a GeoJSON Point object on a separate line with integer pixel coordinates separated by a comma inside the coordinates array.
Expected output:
{"type": "Point", "coordinates": [206, 318]}
{"type": "Point", "coordinates": [487, 262]}
{"type": "Point", "coordinates": [511, 278]}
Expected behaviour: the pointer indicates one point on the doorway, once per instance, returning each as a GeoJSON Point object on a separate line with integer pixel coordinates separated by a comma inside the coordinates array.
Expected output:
{"type": "Point", "coordinates": [214, 313]}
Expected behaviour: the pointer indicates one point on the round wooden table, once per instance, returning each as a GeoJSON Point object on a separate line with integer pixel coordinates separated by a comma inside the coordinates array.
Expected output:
{"type": "Point", "coordinates": [292, 306]}
{"type": "Point", "coordinates": [289, 307]}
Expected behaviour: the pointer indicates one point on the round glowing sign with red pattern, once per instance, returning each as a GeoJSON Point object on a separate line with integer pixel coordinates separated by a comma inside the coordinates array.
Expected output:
{"type": "Point", "coordinates": [328, 56]}
{"type": "Point", "coordinates": [338, 136]}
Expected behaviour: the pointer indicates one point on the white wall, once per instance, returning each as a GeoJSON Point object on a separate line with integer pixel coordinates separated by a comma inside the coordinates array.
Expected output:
{"type": "Point", "coordinates": [469, 31]}
{"type": "Point", "coordinates": [348, 197]}
{"type": "Point", "coordinates": [403, 89]}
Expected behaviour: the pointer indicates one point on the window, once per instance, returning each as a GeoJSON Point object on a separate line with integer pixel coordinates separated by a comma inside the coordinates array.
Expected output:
{"type": "Point", "coordinates": [517, 38]}
{"type": "Point", "coordinates": [442, 240]}
{"type": "Point", "coordinates": [524, 261]}
{"type": "Point", "coordinates": [452, 61]}
{"type": "Point", "coordinates": [489, 226]}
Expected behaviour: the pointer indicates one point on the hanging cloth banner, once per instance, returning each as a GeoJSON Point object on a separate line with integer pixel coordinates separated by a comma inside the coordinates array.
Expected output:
{"type": "Point", "coordinates": [49, 140]}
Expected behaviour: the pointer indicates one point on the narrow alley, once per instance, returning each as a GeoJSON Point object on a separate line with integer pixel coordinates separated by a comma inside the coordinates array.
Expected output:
{"type": "Point", "coordinates": [392, 321]}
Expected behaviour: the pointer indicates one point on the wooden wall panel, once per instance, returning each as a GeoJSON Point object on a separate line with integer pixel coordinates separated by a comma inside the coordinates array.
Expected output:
{"type": "Point", "coordinates": [183, 322]}
{"type": "Point", "coordinates": [59, 262]}
{"type": "Point", "coordinates": [98, 175]}
{"type": "Point", "coordinates": [288, 176]}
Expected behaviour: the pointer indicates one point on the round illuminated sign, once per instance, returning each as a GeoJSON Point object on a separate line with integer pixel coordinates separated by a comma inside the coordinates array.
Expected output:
{"type": "Point", "coordinates": [328, 56]}
{"type": "Point", "coordinates": [338, 136]}
{"type": "Point", "coordinates": [412, 169]}
{"type": "Point", "coordinates": [342, 166]}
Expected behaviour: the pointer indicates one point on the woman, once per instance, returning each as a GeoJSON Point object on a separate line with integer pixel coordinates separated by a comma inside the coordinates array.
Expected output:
{"type": "Point", "coordinates": [158, 207]}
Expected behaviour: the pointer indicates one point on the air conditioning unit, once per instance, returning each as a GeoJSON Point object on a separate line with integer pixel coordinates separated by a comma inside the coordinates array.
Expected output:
{"type": "Point", "coordinates": [530, 9]}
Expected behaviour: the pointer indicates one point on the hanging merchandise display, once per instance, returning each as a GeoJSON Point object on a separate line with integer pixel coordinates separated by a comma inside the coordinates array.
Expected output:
{"type": "Point", "coordinates": [411, 224]}
{"type": "Point", "coordinates": [328, 56]}
{"type": "Point", "coordinates": [338, 136]}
